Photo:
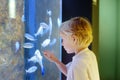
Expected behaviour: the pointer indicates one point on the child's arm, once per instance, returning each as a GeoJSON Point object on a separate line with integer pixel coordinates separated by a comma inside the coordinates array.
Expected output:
{"type": "Point", "coordinates": [50, 56]}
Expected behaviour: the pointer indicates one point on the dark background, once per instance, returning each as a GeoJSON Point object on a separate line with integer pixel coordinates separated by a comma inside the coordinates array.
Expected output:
{"type": "Point", "coordinates": [74, 8]}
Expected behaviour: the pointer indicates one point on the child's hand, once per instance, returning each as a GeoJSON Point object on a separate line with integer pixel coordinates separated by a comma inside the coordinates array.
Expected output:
{"type": "Point", "coordinates": [50, 56]}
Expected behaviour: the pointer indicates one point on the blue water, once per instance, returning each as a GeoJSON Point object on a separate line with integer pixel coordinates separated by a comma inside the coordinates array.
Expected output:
{"type": "Point", "coordinates": [35, 13]}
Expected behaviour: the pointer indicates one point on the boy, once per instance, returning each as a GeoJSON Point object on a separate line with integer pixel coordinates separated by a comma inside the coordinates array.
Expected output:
{"type": "Point", "coordinates": [76, 35]}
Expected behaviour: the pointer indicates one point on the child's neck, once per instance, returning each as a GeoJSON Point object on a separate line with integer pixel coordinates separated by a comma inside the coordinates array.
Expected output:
{"type": "Point", "coordinates": [78, 50]}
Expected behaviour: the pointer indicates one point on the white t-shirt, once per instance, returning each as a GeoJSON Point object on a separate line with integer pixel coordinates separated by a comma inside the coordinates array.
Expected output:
{"type": "Point", "coordinates": [83, 66]}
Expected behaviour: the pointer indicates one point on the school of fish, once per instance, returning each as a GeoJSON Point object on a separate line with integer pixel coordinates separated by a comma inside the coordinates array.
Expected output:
{"type": "Point", "coordinates": [37, 57]}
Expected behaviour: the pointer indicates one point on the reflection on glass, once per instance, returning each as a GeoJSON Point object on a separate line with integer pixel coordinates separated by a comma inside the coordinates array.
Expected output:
{"type": "Point", "coordinates": [11, 40]}
{"type": "Point", "coordinates": [12, 8]}
{"type": "Point", "coordinates": [42, 20]}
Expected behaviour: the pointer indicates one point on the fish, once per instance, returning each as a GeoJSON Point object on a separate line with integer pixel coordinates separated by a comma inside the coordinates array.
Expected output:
{"type": "Point", "coordinates": [23, 18]}
{"type": "Point", "coordinates": [58, 22]}
{"type": "Point", "coordinates": [29, 37]}
{"type": "Point", "coordinates": [43, 25]}
{"type": "Point", "coordinates": [17, 46]}
{"type": "Point", "coordinates": [38, 54]}
{"type": "Point", "coordinates": [45, 42]}
{"type": "Point", "coordinates": [33, 59]}
{"type": "Point", "coordinates": [28, 45]}
{"type": "Point", "coordinates": [49, 12]}
{"type": "Point", "coordinates": [39, 32]}
{"type": "Point", "coordinates": [50, 25]}
{"type": "Point", "coordinates": [42, 67]}
{"type": "Point", "coordinates": [31, 69]}
{"type": "Point", "coordinates": [53, 42]}
{"type": "Point", "coordinates": [39, 58]}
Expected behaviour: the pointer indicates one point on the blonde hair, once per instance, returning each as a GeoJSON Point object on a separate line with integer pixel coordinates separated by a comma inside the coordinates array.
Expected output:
{"type": "Point", "coordinates": [80, 27]}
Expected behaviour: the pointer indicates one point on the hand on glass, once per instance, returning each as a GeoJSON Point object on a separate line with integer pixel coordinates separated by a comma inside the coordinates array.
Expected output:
{"type": "Point", "coordinates": [50, 56]}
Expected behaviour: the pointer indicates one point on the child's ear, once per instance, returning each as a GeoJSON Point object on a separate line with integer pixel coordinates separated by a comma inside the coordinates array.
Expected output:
{"type": "Point", "coordinates": [74, 38]}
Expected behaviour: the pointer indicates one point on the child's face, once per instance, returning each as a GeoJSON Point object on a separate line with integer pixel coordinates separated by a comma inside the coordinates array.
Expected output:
{"type": "Point", "coordinates": [67, 43]}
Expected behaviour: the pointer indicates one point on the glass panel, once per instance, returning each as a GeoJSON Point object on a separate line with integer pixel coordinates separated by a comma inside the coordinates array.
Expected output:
{"type": "Point", "coordinates": [11, 39]}
{"type": "Point", "coordinates": [43, 19]}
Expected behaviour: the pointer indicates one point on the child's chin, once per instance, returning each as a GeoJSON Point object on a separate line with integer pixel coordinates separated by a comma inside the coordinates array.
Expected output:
{"type": "Point", "coordinates": [69, 52]}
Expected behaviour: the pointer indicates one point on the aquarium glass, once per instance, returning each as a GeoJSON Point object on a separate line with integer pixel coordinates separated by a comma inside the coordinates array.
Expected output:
{"type": "Point", "coordinates": [42, 21]}
{"type": "Point", "coordinates": [11, 40]}
{"type": "Point", "coordinates": [27, 28]}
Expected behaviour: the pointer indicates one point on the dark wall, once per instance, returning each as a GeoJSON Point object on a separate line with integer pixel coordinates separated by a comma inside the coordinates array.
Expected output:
{"type": "Point", "coordinates": [73, 8]}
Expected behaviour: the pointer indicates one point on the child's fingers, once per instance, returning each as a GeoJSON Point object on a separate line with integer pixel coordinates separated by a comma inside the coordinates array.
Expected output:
{"type": "Point", "coordinates": [47, 54]}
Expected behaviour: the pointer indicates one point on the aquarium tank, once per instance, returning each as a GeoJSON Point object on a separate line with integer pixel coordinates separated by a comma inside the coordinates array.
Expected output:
{"type": "Point", "coordinates": [27, 28]}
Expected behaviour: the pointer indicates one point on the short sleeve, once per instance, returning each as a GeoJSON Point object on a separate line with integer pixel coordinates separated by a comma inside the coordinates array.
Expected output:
{"type": "Point", "coordinates": [77, 72]}
{"type": "Point", "coordinates": [68, 65]}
